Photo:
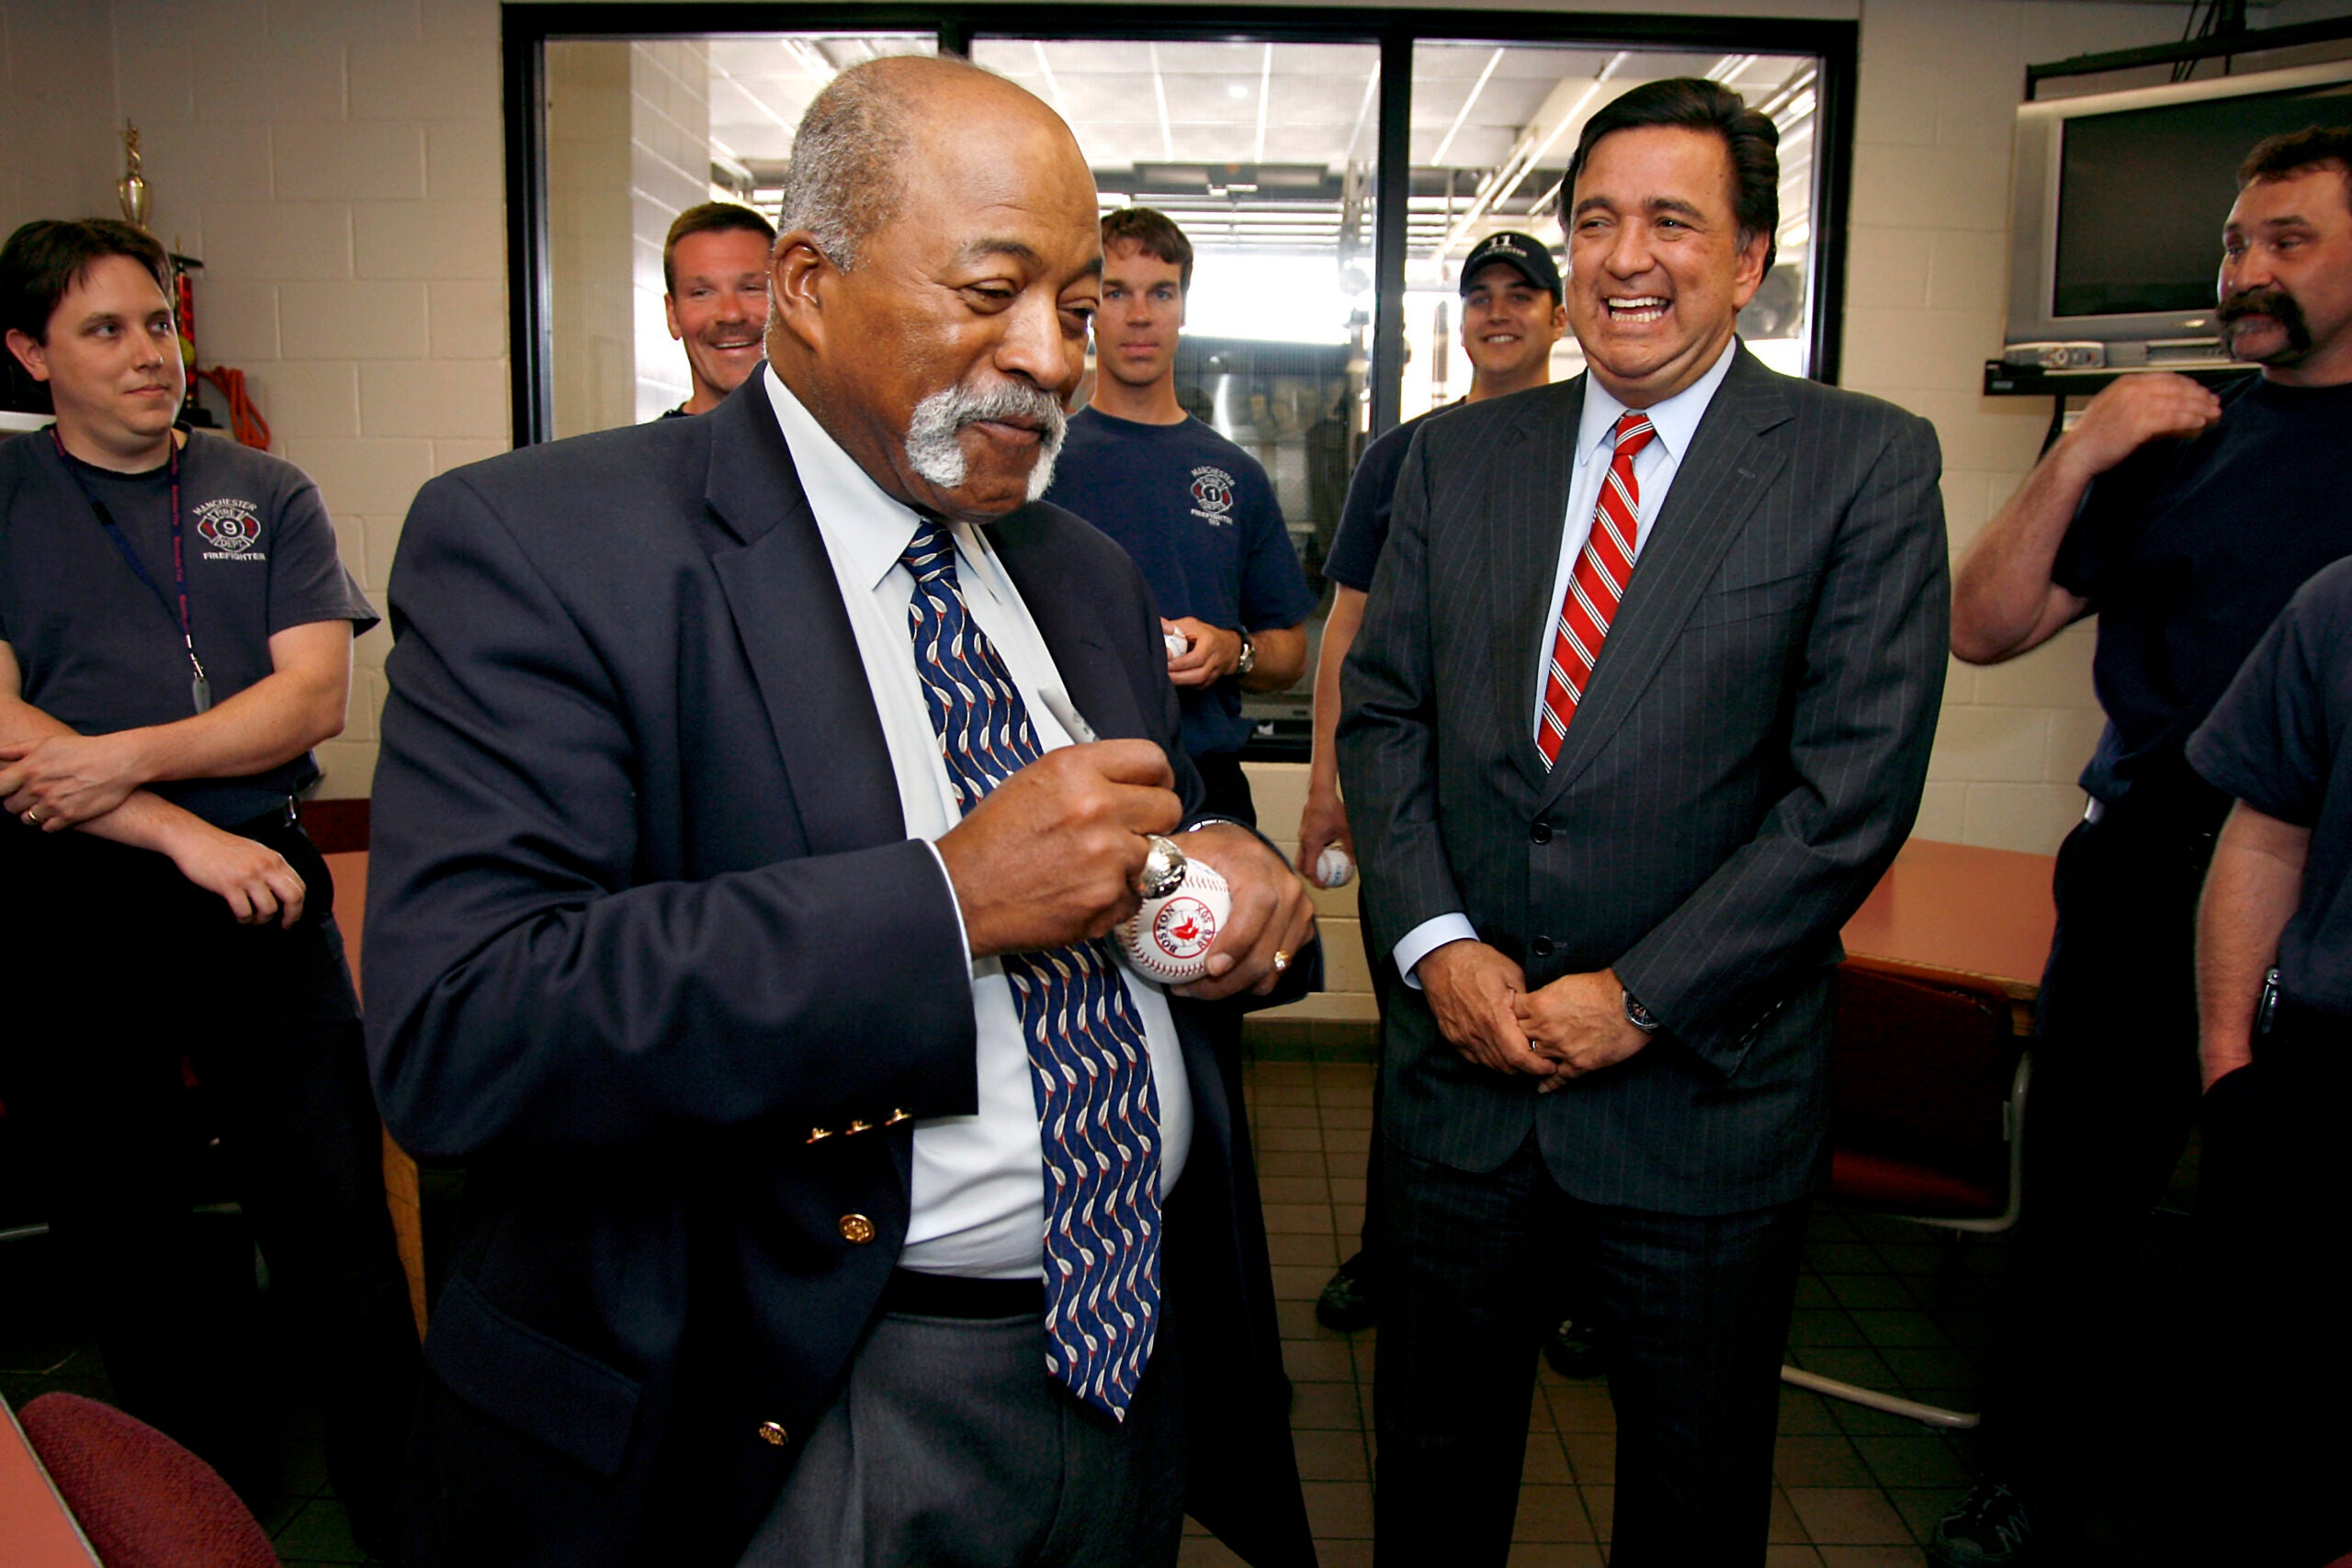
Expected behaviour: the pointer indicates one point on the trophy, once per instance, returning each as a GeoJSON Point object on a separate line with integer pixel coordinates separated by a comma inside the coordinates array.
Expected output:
{"type": "Point", "coordinates": [131, 190]}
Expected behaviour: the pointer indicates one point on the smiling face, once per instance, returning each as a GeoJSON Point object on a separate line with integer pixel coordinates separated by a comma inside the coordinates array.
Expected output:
{"type": "Point", "coordinates": [112, 364]}
{"type": "Point", "coordinates": [1143, 308]}
{"type": "Point", "coordinates": [940, 362]}
{"type": "Point", "coordinates": [1657, 271]}
{"type": "Point", "coordinates": [718, 308]}
{"type": "Point", "coordinates": [2286, 283]}
{"type": "Point", "coordinates": [1508, 326]}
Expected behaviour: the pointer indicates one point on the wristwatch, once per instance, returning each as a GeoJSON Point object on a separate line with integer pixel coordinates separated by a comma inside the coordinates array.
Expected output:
{"type": "Point", "coordinates": [1249, 659]}
{"type": "Point", "coordinates": [1637, 1015]}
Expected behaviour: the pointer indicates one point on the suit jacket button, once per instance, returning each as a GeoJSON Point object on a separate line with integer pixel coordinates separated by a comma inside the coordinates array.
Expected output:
{"type": "Point", "coordinates": [1541, 947]}
{"type": "Point", "coordinates": [1540, 833]}
{"type": "Point", "coordinates": [857, 1229]}
{"type": "Point", "coordinates": [773, 1434]}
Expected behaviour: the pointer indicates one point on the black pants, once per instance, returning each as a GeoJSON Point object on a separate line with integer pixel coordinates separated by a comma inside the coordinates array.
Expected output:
{"type": "Point", "coordinates": [2273, 1191]}
{"type": "Point", "coordinates": [2115, 1088]}
{"type": "Point", "coordinates": [1229, 787]}
{"type": "Point", "coordinates": [1696, 1309]}
{"type": "Point", "coordinates": [122, 975]}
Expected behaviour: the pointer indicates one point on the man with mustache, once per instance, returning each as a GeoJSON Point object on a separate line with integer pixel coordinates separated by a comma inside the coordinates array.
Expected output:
{"type": "Point", "coordinates": [1197, 512]}
{"type": "Point", "coordinates": [742, 854]}
{"type": "Point", "coordinates": [2184, 520]}
{"type": "Point", "coordinates": [714, 277]}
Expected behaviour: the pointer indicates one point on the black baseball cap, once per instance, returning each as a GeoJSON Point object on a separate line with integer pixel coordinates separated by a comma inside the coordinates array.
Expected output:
{"type": "Point", "coordinates": [1523, 253]}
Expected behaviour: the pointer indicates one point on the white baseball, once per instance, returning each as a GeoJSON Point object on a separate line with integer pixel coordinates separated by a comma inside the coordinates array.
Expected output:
{"type": "Point", "coordinates": [1168, 940]}
{"type": "Point", "coordinates": [1333, 868]}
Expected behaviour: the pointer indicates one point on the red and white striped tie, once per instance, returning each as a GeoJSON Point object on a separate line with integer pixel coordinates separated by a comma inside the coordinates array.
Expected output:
{"type": "Point", "coordinates": [1594, 587]}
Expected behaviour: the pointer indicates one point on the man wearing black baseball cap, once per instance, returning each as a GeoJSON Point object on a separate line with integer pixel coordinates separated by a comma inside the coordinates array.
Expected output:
{"type": "Point", "coordinates": [1512, 315]}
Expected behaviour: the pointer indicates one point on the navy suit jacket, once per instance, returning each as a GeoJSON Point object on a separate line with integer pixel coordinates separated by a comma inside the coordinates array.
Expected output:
{"type": "Point", "coordinates": [1748, 758]}
{"type": "Point", "coordinates": [643, 917]}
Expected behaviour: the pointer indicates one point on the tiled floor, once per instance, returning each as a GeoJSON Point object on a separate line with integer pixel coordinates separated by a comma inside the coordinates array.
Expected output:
{"type": "Point", "coordinates": [1880, 1302]}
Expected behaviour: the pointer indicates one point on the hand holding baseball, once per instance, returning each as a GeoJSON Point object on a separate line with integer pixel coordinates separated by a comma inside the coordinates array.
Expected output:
{"type": "Point", "coordinates": [1050, 857]}
{"type": "Point", "coordinates": [1168, 939]}
{"type": "Point", "coordinates": [1273, 916]}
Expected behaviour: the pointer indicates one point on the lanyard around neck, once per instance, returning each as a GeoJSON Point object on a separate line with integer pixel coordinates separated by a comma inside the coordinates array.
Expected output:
{"type": "Point", "coordinates": [199, 685]}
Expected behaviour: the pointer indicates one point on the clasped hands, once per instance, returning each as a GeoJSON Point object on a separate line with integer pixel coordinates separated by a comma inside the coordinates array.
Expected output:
{"type": "Point", "coordinates": [1052, 855]}
{"type": "Point", "coordinates": [68, 779]}
{"type": "Point", "coordinates": [1574, 1026]}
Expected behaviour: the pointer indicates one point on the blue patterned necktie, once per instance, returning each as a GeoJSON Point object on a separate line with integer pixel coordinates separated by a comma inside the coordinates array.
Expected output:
{"type": "Point", "coordinates": [1097, 1111]}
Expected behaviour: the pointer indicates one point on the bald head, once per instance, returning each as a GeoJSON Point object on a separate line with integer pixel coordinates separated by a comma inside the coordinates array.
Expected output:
{"type": "Point", "coordinates": [939, 264]}
{"type": "Point", "coordinates": [848, 173]}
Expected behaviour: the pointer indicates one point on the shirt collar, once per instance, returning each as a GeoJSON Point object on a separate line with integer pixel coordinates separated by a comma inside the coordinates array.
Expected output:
{"type": "Point", "coordinates": [872, 528]}
{"type": "Point", "coordinates": [1676, 419]}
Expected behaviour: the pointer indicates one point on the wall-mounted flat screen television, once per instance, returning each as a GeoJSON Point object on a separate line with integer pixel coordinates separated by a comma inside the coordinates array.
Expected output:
{"type": "Point", "coordinates": [2121, 198]}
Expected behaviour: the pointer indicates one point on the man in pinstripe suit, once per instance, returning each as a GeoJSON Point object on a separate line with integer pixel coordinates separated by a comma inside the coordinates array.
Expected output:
{"type": "Point", "coordinates": [1640, 711]}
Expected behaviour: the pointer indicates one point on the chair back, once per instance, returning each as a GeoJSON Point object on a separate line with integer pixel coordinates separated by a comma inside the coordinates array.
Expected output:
{"type": "Point", "coordinates": [142, 1500]}
{"type": "Point", "coordinates": [1921, 1073]}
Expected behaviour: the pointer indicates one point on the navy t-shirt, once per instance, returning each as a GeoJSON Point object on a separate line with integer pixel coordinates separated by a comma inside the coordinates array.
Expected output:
{"type": "Point", "coordinates": [1371, 495]}
{"type": "Point", "coordinates": [1199, 516]}
{"type": "Point", "coordinates": [98, 651]}
{"type": "Point", "coordinates": [2281, 739]}
{"type": "Point", "coordinates": [2188, 550]}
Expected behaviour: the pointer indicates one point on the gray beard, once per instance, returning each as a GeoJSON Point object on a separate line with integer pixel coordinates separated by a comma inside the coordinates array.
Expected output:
{"type": "Point", "coordinates": [932, 449]}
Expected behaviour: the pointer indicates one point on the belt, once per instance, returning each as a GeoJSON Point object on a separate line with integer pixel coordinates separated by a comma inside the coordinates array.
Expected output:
{"type": "Point", "coordinates": [275, 819]}
{"type": "Point", "coordinates": [914, 1295]}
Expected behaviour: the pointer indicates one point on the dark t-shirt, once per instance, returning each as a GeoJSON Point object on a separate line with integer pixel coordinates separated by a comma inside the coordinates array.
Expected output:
{"type": "Point", "coordinates": [1199, 516]}
{"type": "Point", "coordinates": [2281, 739]}
{"type": "Point", "coordinates": [1372, 495]}
{"type": "Point", "coordinates": [2188, 550]}
{"type": "Point", "coordinates": [98, 651]}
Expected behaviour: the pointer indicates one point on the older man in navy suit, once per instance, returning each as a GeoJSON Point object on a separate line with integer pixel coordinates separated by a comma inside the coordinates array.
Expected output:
{"type": "Point", "coordinates": [1640, 710]}
{"type": "Point", "coordinates": [738, 905]}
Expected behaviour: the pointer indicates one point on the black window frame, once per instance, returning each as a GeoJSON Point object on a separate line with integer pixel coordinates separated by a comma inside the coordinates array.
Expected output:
{"type": "Point", "coordinates": [526, 29]}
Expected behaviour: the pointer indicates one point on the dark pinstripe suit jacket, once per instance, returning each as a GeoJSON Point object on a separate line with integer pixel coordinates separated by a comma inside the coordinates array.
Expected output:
{"type": "Point", "coordinates": [1748, 758]}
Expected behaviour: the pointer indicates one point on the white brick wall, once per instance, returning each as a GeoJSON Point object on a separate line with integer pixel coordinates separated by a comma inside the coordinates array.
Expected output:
{"type": "Point", "coordinates": [337, 164]}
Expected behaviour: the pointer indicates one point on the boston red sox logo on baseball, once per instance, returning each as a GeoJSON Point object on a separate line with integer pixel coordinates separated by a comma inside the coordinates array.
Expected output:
{"type": "Point", "coordinates": [1184, 928]}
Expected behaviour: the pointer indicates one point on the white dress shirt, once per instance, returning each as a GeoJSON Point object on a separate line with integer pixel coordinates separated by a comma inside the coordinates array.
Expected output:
{"type": "Point", "coordinates": [979, 1196]}
{"type": "Point", "coordinates": [1676, 420]}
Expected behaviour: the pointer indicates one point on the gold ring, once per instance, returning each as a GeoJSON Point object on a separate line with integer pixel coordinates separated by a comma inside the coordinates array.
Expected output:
{"type": "Point", "coordinates": [1282, 961]}
{"type": "Point", "coordinates": [32, 817]}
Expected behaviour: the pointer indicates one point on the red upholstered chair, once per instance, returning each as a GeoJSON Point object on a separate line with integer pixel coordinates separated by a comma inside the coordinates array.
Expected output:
{"type": "Point", "coordinates": [144, 1501]}
{"type": "Point", "coordinates": [1927, 1084]}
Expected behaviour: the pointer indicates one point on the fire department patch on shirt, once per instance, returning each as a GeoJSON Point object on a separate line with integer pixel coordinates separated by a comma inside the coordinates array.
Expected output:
{"type": "Point", "coordinates": [1213, 495]}
{"type": "Point", "coordinates": [231, 528]}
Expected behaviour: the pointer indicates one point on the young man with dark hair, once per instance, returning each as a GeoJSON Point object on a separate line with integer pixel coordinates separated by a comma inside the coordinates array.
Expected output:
{"type": "Point", "coordinates": [1197, 512]}
{"type": "Point", "coordinates": [175, 636]}
{"type": "Point", "coordinates": [1612, 892]}
{"type": "Point", "coordinates": [715, 275]}
{"type": "Point", "coordinates": [2184, 519]}
{"type": "Point", "coordinates": [1512, 315]}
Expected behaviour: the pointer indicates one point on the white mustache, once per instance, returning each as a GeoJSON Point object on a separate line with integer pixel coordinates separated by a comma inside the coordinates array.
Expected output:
{"type": "Point", "coordinates": [932, 449]}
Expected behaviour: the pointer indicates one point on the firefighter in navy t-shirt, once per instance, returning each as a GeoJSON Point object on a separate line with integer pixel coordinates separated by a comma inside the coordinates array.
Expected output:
{"type": "Point", "coordinates": [1196, 510]}
{"type": "Point", "coordinates": [175, 635]}
{"type": "Point", "coordinates": [2184, 520]}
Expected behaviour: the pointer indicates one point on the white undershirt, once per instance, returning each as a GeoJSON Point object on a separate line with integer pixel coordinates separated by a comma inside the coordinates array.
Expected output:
{"type": "Point", "coordinates": [1676, 420]}
{"type": "Point", "coordinates": [978, 1197]}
